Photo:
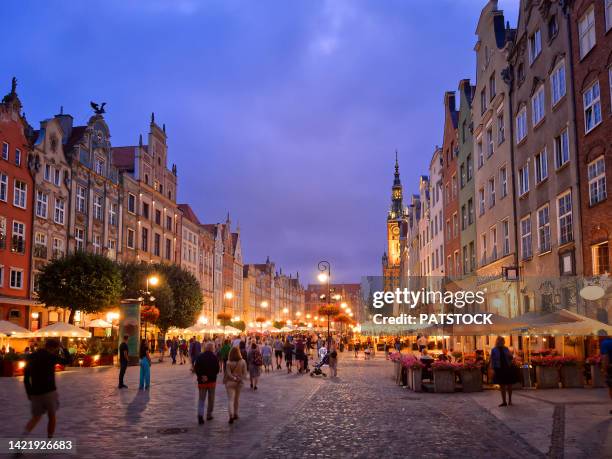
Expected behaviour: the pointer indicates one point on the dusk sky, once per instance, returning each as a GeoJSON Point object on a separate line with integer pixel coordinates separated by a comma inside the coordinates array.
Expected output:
{"type": "Point", "coordinates": [287, 114]}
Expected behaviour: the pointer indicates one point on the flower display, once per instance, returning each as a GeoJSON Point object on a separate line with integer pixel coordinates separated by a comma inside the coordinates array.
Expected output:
{"type": "Point", "coordinates": [553, 361]}
{"type": "Point", "coordinates": [440, 365]}
{"type": "Point", "coordinates": [395, 356]}
{"type": "Point", "coordinates": [594, 360]}
{"type": "Point", "coordinates": [469, 365]}
{"type": "Point", "coordinates": [411, 362]}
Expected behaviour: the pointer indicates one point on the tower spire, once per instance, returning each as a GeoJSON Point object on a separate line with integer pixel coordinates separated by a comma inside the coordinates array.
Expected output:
{"type": "Point", "coordinates": [396, 179]}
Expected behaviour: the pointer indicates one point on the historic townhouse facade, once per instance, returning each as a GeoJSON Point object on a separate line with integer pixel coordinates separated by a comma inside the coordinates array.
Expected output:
{"type": "Point", "coordinates": [207, 268]}
{"type": "Point", "coordinates": [591, 31]}
{"type": "Point", "coordinates": [151, 222]}
{"type": "Point", "coordinates": [189, 228]}
{"type": "Point", "coordinates": [218, 287]}
{"type": "Point", "coordinates": [51, 174]}
{"type": "Point", "coordinates": [350, 294]}
{"type": "Point", "coordinates": [436, 214]}
{"type": "Point", "coordinates": [288, 298]}
{"type": "Point", "coordinates": [16, 201]}
{"type": "Point", "coordinates": [450, 177]}
{"type": "Point", "coordinates": [237, 274]}
{"type": "Point", "coordinates": [258, 286]}
{"type": "Point", "coordinates": [494, 186]}
{"type": "Point", "coordinates": [93, 218]}
{"type": "Point", "coordinates": [547, 197]}
{"type": "Point", "coordinates": [467, 194]}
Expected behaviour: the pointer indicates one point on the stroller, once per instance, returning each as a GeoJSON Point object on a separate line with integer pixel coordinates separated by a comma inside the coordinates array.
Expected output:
{"type": "Point", "coordinates": [317, 368]}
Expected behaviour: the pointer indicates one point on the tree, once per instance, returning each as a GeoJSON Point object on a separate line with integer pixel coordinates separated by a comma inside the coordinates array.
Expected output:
{"type": "Point", "coordinates": [80, 281]}
{"type": "Point", "coordinates": [185, 291]}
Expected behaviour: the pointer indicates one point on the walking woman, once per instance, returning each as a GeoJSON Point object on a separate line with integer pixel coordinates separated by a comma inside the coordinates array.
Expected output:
{"type": "Point", "coordinates": [254, 362]}
{"type": "Point", "coordinates": [266, 353]}
{"type": "Point", "coordinates": [145, 366]}
{"type": "Point", "coordinates": [235, 372]}
{"type": "Point", "coordinates": [503, 372]}
{"type": "Point", "coordinates": [288, 350]}
{"type": "Point", "coordinates": [278, 352]}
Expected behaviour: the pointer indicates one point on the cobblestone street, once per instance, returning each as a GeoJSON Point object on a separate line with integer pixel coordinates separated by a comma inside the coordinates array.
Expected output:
{"type": "Point", "coordinates": [360, 414]}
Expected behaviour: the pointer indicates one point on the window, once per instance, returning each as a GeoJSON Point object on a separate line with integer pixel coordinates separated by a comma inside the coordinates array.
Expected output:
{"type": "Point", "coordinates": [586, 31]}
{"type": "Point", "coordinates": [483, 101]}
{"type": "Point", "coordinates": [145, 210]}
{"type": "Point", "coordinates": [493, 233]}
{"type": "Point", "coordinates": [19, 240]}
{"type": "Point", "coordinates": [537, 106]}
{"type": "Point", "coordinates": [544, 229]}
{"type": "Point", "coordinates": [491, 192]}
{"type": "Point", "coordinates": [97, 207]}
{"type": "Point", "coordinates": [81, 199]}
{"type": "Point", "coordinates": [17, 156]}
{"type": "Point", "coordinates": [144, 240]}
{"type": "Point", "coordinates": [5, 151]}
{"type": "Point", "coordinates": [58, 248]}
{"type": "Point", "coordinates": [168, 249]}
{"type": "Point", "coordinates": [79, 238]}
{"type": "Point", "coordinates": [526, 238]}
{"type": "Point", "coordinates": [16, 278]}
{"type": "Point", "coordinates": [448, 231]}
{"type": "Point", "coordinates": [20, 196]}
{"type": "Point", "coordinates": [470, 168]}
{"type": "Point", "coordinates": [42, 200]}
{"type": "Point", "coordinates": [557, 83]}
{"type": "Point", "coordinates": [56, 176]}
{"type": "Point", "coordinates": [470, 211]}
{"type": "Point", "coordinates": [60, 206]}
{"type": "Point", "coordinates": [455, 224]}
{"type": "Point", "coordinates": [2, 232]}
{"type": "Point", "coordinates": [564, 212]}
{"type": "Point", "coordinates": [601, 258]}
{"type": "Point", "coordinates": [535, 46]}
{"type": "Point", "coordinates": [131, 203]}
{"type": "Point", "coordinates": [501, 133]}
{"type": "Point", "coordinates": [489, 138]}
{"type": "Point", "coordinates": [461, 175]}
{"type": "Point", "coordinates": [156, 245]}
{"type": "Point", "coordinates": [112, 214]}
{"type": "Point", "coordinates": [561, 149]}
{"type": "Point", "coordinates": [503, 180]}
{"type": "Point", "coordinates": [492, 87]}
{"type": "Point", "coordinates": [592, 107]}
{"type": "Point", "coordinates": [47, 173]}
{"type": "Point", "coordinates": [483, 247]}
{"type": "Point", "coordinates": [131, 236]}
{"type": "Point", "coordinates": [480, 155]}
{"type": "Point", "coordinates": [521, 125]}
{"type": "Point", "coordinates": [553, 27]}
{"type": "Point", "coordinates": [40, 245]}
{"type": "Point", "coordinates": [97, 244]}
{"type": "Point", "coordinates": [99, 165]}
{"type": "Point", "coordinates": [454, 186]}
{"type": "Point", "coordinates": [464, 219]}
{"type": "Point", "coordinates": [523, 180]}
{"type": "Point", "coordinates": [541, 166]}
{"type": "Point", "coordinates": [608, 14]}
{"type": "Point", "coordinates": [506, 237]}
{"type": "Point", "coordinates": [3, 187]}
{"type": "Point", "coordinates": [158, 216]}
{"type": "Point", "coordinates": [112, 247]}
{"type": "Point", "coordinates": [597, 180]}
{"type": "Point", "coordinates": [481, 201]}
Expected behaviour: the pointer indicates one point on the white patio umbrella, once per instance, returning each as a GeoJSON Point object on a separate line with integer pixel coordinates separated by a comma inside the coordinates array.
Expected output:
{"type": "Point", "coordinates": [99, 323]}
{"type": "Point", "coordinates": [10, 329]}
{"type": "Point", "coordinates": [228, 330]}
{"type": "Point", "coordinates": [60, 329]}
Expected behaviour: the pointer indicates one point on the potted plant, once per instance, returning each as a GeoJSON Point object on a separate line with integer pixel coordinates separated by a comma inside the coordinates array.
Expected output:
{"type": "Point", "coordinates": [596, 376]}
{"type": "Point", "coordinates": [470, 373]}
{"type": "Point", "coordinates": [414, 369]}
{"type": "Point", "coordinates": [571, 376]}
{"type": "Point", "coordinates": [444, 376]}
{"type": "Point", "coordinates": [547, 372]}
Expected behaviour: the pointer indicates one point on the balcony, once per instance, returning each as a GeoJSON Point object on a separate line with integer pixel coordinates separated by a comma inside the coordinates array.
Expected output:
{"type": "Point", "coordinates": [18, 244]}
{"type": "Point", "coordinates": [40, 251]}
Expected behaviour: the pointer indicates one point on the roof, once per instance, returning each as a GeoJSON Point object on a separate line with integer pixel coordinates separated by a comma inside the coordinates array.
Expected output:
{"type": "Point", "coordinates": [124, 157]}
{"type": "Point", "coordinates": [75, 135]}
{"type": "Point", "coordinates": [189, 214]}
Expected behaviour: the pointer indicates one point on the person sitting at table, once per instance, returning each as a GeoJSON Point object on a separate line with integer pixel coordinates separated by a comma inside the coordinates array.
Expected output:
{"type": "Point", "coordinates": [444, 356]}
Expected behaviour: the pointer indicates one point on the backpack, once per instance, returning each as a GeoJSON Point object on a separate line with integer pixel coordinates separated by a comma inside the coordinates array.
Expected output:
{"type": "Point", "coordinates": [257, 358]}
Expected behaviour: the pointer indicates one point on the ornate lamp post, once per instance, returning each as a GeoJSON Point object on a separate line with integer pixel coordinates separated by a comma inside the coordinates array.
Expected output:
{"type": "Point", "coordinates": [153, 281]}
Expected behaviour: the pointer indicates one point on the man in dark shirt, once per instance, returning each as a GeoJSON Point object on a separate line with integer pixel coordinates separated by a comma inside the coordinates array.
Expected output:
{"type": "Point", "coordinates": [206, 368]}
{"type": "Point", "coordinates": [39, 380]}
{"type": "Point", "coordinates": [123, 361]}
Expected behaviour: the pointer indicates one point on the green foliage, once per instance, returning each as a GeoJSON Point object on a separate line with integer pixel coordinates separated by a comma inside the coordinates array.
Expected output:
{"type": "Point", "coordinates": [240, 325]}
{"type": "Point", "coordinates": [278, 324]}
{"type": "Point", "coordinates": [185, 291]}
{"type": "Point", "coordinates": [80, 281]}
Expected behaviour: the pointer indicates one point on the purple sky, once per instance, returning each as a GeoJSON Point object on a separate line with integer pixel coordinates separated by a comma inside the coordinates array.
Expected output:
{"type": "Point", "coordinates": [287, 114]}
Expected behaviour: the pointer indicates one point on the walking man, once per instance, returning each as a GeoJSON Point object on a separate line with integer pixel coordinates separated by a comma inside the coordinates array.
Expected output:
{"type": "Point", "coordinates": [123, 361]}
{"type": "Point", "coordinates": [39, 380]}
{"type": "Point", "coordinates": [206, 368]}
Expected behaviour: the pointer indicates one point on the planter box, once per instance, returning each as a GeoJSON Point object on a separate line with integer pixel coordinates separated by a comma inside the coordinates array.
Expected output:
{"type": "Point", "coordinates": [571, 376]}
{"type": "Point", "coordinates": [471, 380]}
{"type": "Point", "coordinates": [397, 372]}
{"type": "Point", "coordinates": [597, 378]}
{"type": "Point", "coordinates": [547, 377]}
{"type": "Point", "coordinates": [444, 381]}
{"type": "Point", "coordinates": [404, 376]}
{"type": "Point", "coordinates": [415, 377]}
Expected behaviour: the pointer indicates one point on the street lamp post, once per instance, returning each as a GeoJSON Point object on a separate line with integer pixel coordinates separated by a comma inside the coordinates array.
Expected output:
{"type": "Point", "coordinates": [325, 276]}
{"type": "Point", "coordinates": [152, 280]}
